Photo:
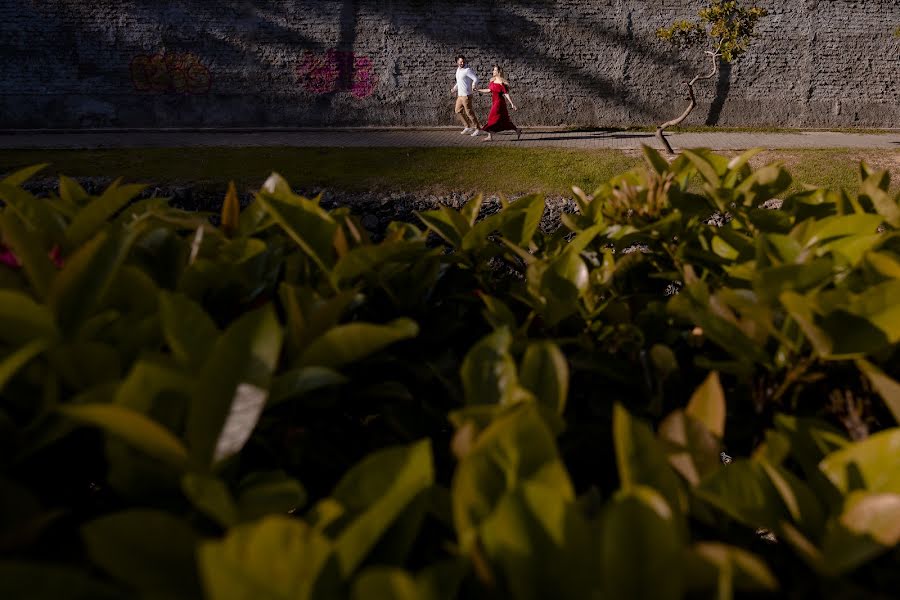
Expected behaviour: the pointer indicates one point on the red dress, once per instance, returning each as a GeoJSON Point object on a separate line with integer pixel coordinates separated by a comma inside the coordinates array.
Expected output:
{"type": "Point", "coordinates": [498, 119]}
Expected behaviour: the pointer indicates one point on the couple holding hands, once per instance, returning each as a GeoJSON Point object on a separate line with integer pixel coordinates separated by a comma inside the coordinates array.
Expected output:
{"type": "Point", "coordinates": [498, 119]}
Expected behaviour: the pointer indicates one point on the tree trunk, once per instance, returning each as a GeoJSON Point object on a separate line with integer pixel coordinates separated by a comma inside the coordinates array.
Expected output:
{"type": "Point", "coordinates": [660, 131]}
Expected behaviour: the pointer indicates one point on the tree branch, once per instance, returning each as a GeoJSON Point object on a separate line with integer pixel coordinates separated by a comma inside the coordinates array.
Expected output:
{"type": "Point", "coordinates": [660, 131]}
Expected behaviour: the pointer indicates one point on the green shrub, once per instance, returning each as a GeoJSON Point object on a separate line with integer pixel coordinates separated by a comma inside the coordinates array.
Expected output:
{"type": "Point", "coordinates": [471, 407]}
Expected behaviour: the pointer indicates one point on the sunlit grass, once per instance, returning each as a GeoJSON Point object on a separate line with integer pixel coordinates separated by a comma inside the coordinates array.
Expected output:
{"type": "Point", "coordinates": [490, 170]}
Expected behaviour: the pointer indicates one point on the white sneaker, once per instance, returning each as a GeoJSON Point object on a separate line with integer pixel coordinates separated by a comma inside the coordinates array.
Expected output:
{"type": "Point", "coordinates": [466, 131]}
{"type": "Point", "coordinates": [476, 133]}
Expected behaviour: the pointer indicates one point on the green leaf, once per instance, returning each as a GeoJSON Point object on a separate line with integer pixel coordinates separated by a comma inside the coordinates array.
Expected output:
{"type": "Point", "coordinates": [277, 558]}
{"type": "Point", "coordinates": [522, 219]}
{"type": "Point", "coordinates": [872, 464]}
{"type": "Point", "coordinates": [692, 449]}
{"type": "Point", "coordinates": [29, 250]}
{"type": "Point", "coordinates": [12, 363]}
{"type": "Point", "coordinates": [134, 428]}
{"type": "Point", "coordinates": [712, 565]}
{"type": "Point", "coordinates": [19, 177]}
{"type": "Point", "coordinates": [839, 226]}
{"type": "Point", "coordinates": [263, 493]}
{"type": "Point", "coordinates": [188, 330]}
{"type": "Point", "coordinates": [703, 165]}
{"type": "Point", "coordinates": [349, 343]}
{"type": "Point", "coordinates": [22, 319]}
{"type": "Point", "coordinates": [641, 547]}
{"type": "Point", "coordinates": [800, 309]}
{"type": "Point", "coordinates": [299, 382]}
{"type": "Point", "coordinates": [885, 264]}
{"type": "Point", "coordinates": [470, 211]}
{"type": "Point", "coordinates": [309, 315]}
{"type": "Point", "coordinates": [879, 306]}
{"type": "Point", "coordinates": [517, 447]}
{"type": "Point", "coordinates": [887, 388]}
{"type": "Point", "coordinates": [210, 496]}
{"type": "Point", "coordinates": [707, 405]}
{"type": "Point", "coordinates": [655, 160]}
{"type": "Point", "coordinates": [306, 223]}
{"type": "Point", "coordinates": [34, 212]}
{"type": "Point", "coordinates": [94, 216]}
{"type": "Point", "coordinates": [440, 581]}
{"type": "Point", "coordinates": [150, 551]}
{"type": "Point", "coordinates": [147, 380]}
{"type": "Point", "coordinates": [86, 277]}
{"type": "Point", "coordinates": [545, 373]}
{"type": "Point", "coordinates": [233, 386]}
{"type": "Point", "coordinates": [446, 223]}
{"type": "Point", "coordinates": [489, 372]}
{"type": "Point", "coordinates": [388, 584]}
{"type": "Point", "coordinates": [868, 526]}
{"type": "Point", "coordinates": [641, 461]}
{"type": "Point", "coordinates": [764, 184]}
{"type": "Point", "coordinates": [46, 581]}
{"type": "Point", "coordinates": [71, 191]}
{"type": "Point", "coordinates": [370, 497]}
{"type": "Point", "coordinates": [745, 492]}
{"type": "Point", "coordinates": [363, 260]}
{"type": "Point", "coordinates": [541, 544]}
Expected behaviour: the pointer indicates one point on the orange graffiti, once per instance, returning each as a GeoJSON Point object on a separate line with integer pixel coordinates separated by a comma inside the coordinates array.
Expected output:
{"type": "Point", "coordinates": [170, 74]}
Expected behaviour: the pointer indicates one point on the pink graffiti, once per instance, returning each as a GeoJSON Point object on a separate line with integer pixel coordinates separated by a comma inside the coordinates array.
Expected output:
{"type": "Point", "coordinates": [322, 73]}
{"type": "Point", "coordinates": [170, 74]}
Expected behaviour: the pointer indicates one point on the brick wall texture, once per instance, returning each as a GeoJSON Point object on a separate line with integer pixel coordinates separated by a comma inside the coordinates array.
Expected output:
{"type": "Point", "coordinates": [289, 63]}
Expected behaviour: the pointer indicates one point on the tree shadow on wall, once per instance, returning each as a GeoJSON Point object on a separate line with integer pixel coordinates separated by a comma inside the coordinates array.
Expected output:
{"type": "Point", "coordinates": [723, 86]}
{"type": "Point", "coordinates": [517, 37]}
{"type": "Point", "coordinates": [502, 32]}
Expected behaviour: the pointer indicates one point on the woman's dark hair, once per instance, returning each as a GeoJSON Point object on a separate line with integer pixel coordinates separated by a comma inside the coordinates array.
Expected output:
{"type": "Point", "coordinates": [460, 56]}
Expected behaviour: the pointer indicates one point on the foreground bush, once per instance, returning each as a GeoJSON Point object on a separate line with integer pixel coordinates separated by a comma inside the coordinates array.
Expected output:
{"type": "Point", "coordinates": [681, 392]}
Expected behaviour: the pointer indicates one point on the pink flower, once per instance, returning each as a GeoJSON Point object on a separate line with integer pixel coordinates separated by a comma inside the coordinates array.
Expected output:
{"type": "Point", "coordinates": [9, 258]}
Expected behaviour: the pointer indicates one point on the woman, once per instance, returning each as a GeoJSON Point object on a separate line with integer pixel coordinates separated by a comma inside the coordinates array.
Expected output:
{"type": "Point", "coordinates": [498, 119]}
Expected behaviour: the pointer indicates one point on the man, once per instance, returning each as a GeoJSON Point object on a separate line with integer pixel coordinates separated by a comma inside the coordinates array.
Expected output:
{"type": "Point", "coordinates": [464, 88]}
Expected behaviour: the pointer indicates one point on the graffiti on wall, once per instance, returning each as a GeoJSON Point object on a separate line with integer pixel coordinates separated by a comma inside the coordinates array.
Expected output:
{"type": "Point", "coordinates": [170, 73]}
{"type": "Point", "coordinates": [337, 71]}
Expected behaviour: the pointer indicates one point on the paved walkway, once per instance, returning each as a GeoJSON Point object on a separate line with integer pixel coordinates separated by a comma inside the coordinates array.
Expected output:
{"type": "Point", "coordinates": [532, 138]}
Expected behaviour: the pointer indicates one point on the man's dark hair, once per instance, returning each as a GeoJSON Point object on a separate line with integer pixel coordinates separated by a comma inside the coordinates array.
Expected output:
{"type": "Point", "coordinates": [460, 56]}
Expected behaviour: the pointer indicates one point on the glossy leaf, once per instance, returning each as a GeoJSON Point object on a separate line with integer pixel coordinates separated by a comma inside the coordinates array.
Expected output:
{"type": "Point", "coordinates": [188, 329]}
{"type": "Point", "coordinates": [545, 373]}
{"type": "Point", "coordinates": [641, 461]}
{"type": "Point", "coordinates": [370, 497]}
{"type": "Point", "coordinates": [872, 464]}
{"type": "Point", "coordinates": [641, 547]}
{"type": "Point", "coordinates": [278, 558]}
{"type": "Point", "coordinates": [232, 387]}
{"type": "Point", "coordinates": [149, 551]}
{"type": "Point", "coordinates": [349, 343]}
{"type": "Point", "coordinates": [134, 428]}
{"type": "Point", "coordinates": [30, 252]}
{"type": "Point", "coordinates": [488, 371]}
{"type": "Point", "coordinates": [95, 214]}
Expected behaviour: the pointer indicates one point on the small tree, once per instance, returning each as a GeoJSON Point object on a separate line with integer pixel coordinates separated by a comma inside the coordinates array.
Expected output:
{"type": "Point", "coordinates": [724, 30]}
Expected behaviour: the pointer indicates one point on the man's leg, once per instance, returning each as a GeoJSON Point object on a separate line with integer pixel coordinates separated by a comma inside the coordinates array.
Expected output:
{"type": "Point", "coordinates": [470, 113]}
{"type": "Point", "coordinates": [461, 112]}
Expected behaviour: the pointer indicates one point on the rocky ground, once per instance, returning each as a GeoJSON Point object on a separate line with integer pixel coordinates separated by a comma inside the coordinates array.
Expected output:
{"type": "Point", "coordinates": [376, 210]}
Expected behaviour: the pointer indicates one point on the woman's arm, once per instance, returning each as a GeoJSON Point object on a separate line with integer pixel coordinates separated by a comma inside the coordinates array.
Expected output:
{"type": "Point", "coordinates": [511, 103]}
{"type": "Point", "coordinates": [484, 91]}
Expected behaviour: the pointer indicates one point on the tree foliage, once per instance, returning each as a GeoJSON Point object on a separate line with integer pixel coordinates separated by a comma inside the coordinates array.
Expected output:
{"type": "Point", "coordinates": [725, 27]}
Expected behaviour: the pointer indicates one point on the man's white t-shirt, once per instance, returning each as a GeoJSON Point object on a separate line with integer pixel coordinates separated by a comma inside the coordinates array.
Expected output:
{"type": "Point", "coordinates": [465, 81]}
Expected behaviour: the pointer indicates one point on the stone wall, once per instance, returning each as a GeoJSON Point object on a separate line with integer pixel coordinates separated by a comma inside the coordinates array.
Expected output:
{"type": "Point", "coordinates": [289, 63]}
